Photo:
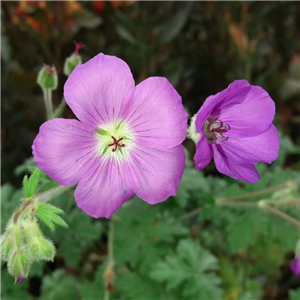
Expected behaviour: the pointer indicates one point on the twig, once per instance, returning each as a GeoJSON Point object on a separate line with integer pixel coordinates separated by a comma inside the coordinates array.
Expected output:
{"type": "Point", "coordinates": [257, 193]}
{"type": "Point", "coordinates": [48, 195]}
{"type": "Point", "coordinates": [281, 214]}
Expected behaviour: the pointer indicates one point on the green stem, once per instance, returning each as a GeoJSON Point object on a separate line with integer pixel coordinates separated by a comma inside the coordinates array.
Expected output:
{"type": "Point", "coordinates": [280, 202]}
{"type": "Point", "coordinates": [281, 214]}
{"type": "Point", "coordinates": [237, 204]}
{"type": "Point", "coordinates": [257, 193]}
{"type": "Point", "coordinates": [109, 273]}
{"type": "Point", "coordinates": [48, 195]}
{"type": "Point", "coordinates": [111, 240]}
{"type": "Point", "coordinates": [48, 103]}
{"type": "Point", "coordinates": [60, 109]}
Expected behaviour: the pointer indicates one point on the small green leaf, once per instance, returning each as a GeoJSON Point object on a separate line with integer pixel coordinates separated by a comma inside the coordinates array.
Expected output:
{"type": "Point", "coordinates": [48, 214]}
{"type": "Point", "coordinates": [294, 294]}
{"type": "Point", "coordinates": [30, 184]}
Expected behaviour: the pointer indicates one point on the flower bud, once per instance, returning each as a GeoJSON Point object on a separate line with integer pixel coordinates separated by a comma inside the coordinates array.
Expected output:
{"type": "Point", "coordinates": [73, 60]}
{"type": "Point", "coordinates": [47, 77]}
{"type": "Point", "coordinates": [7, 247]}
{"type": "Point", "coordinates": [42, 248]}
{"type": "Point", "coordinates": [20, 278]}
{"type": "Point", "coordinates": [19, 264]}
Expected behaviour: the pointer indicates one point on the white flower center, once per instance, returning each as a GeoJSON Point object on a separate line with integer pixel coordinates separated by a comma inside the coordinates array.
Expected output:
{"type": "Point", "coordinates": [115, 140]}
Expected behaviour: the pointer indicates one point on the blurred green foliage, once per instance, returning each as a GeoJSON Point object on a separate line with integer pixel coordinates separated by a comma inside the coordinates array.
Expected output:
{"type": "Point", "coordinates": [187, 247]}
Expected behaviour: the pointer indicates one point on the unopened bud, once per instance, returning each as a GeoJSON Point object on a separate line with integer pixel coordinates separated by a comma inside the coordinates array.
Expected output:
{"type": "Point", "coordinates": [19, 264]}
{"type": "Point", "coordinates": [73, 60]}
{"type": "Point", "coordinates": [20, 278]}
{"type": "Point", "coordinates": [42, 248]}
{"type": "Point", "coordinates": [47, 77]}
{"type": "Point", "coordinates": [7, 247]}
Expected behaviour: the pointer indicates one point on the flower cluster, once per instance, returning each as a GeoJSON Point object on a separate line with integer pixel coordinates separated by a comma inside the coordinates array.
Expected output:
{"type": "Point", "coordinates": [23, 243]}
{"type": "Point", "coordinates": [128, 139]}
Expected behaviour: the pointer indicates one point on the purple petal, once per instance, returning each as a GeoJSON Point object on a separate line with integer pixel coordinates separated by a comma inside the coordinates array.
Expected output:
{"type": "Point", "coordinates": [234, 94]}
{"type": "Point", "coordinates": [157, 117]}
{"type": "Point", "coordinates": [64, 150]}
{"type": "Point", "coordinates": [251, 117]}
{"type": "Point", "coordinates": [260, 148]}
{"type": "Point", "coordinates": [20, 279]}
{"type": "Point", "coordinates": [295, 266]}
{"type": "Point", "coordinates": [101, 90]}
{"type": "Point", "coordinates": [104, 188]}
{"type": "Point", "coordinates": [245, 172]}
{"type": "Point", "coordinates": [156, 174]}
{"type": "Point", "coordinates": [203, 153]}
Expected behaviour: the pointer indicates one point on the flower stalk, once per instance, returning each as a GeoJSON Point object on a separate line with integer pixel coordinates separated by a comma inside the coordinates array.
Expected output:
{"type": "Point", "coordinates": [109, 275]}
{"type": "Point", "coordinates": [48, 102]}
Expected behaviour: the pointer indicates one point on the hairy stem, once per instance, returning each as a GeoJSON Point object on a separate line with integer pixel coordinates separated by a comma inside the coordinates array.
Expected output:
{"type": "Point", "coordinates": [48, 195]}
{"type": "Point", "coordinates": [281, 214]}
{"type": "Point", "coordinates": [48, 103]}
{"type": "Point", "coordinates": [21, 209]}
{"type": "Point", "coordinates": [257, 193]}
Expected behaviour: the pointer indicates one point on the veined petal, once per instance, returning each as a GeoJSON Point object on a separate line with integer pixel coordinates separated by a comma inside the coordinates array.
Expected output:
{"type": "Point", "coordinates": [101, 90]}
{"type": "Point", "coordinates": [156, 174]}
{"type": "Point", "coordinates": [203, 153]}
{"type": "Point", "coordinates": [245, 172]}
{"type": "Point", "coordinates": [251, 117]}
{"type": "Point", "coordinates": [260, 148]}
{"type": "Point", "coordinates": [64, 150]}
{"type": "Point", "coordinates": [157, 118]}
{"type": "Point", "coordinates": [103, 189]}
{"type": "Point", "coordinates": [234, 94]}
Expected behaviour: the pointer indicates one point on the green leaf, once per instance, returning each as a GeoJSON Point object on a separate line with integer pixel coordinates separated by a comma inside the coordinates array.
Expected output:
{"type": "Point", "coordinates": [59, 285]}
{"type": "Point", "coordinates": [294, 294]}
{"type": "Point", "coordinates": [245, 229]}
{"type": "Point", "coordinates": [47, 213]}
{"type": "Point", "coordinates": [192, 267]}
{"type": "Point", "coordinates": [133, 286]}
{"type": "Point", "coordinates": [80, 235]}
{"type": "Point", "coordinates": [30, 184]}
{"type": "Point", "coordinates": [143, 230]}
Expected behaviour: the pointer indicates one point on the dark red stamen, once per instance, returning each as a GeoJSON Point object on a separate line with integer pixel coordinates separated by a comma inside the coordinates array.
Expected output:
{"type": "Point", "coordinates": [78, 46]}
{"type": "Point", "coordinates": [116, 143]}
{"type": "Point", "coordinates": [220, 130]}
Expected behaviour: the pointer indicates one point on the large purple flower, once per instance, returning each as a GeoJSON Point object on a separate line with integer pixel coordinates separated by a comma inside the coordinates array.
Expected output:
{"type": "Point", "coordinates": [295, 266]}
{"type": "Point", "coordinates": [127, 140]}
{"type": "Point", "coordinates": [235, 127]}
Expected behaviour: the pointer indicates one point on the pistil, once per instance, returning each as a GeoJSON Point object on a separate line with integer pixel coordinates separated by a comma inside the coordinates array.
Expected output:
{"type": "Point", "coordinates": [116, 143]}
{"type": "Point", "coordinates": [213, 129]}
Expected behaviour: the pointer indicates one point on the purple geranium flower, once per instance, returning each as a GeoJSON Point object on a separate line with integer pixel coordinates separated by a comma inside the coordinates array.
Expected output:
{"type": "Point", "coordinates": [127, 140]}
{"type": "Point", "coordinates": [295, 266]}
{"type": "Point", "coordinates": [235, 127]}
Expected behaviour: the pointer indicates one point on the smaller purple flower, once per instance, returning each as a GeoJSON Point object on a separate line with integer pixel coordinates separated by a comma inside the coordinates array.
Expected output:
{"type": "Point", "coordinates": [20, 279]}
{"type": "Point", "coordinates": [295, 266]}
{"type": "Point", "coordinates": [235, 127]}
